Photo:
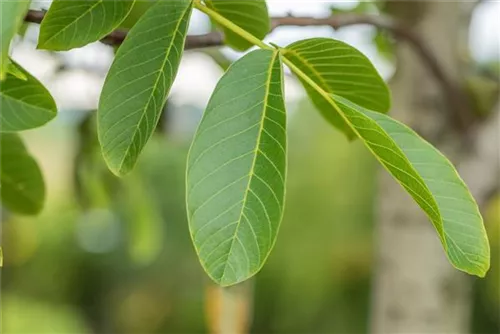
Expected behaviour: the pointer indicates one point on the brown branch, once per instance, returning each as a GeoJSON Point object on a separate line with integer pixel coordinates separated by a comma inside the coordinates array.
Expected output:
{"type": "Point", "coordinates": [118, 36]}
{"type": "Point", "coordinates": [461, 116]}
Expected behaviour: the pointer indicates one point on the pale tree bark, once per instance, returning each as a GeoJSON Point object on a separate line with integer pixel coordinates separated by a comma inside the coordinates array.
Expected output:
{"type": "Point", "coordinates": [416, 290]}
{"type": "Point", "coordinates": [229, 310]}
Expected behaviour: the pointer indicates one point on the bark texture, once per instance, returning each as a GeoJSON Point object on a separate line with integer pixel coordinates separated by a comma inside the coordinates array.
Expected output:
{"type": "Point", "coordinates": [416, 290]}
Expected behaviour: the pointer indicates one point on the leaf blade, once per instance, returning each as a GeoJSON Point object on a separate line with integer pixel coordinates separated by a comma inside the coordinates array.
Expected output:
{"type": "Point", "coordinates": [11, 17]}
{"type": "Point", "coordinates": [239, 151]}
{"type": "Point", "coordinates": [62, 26]}
{"type": "Point", "coordinates": [340, 69]}
{"type": "Point", "coordinates": [22, 188]}
{"type": "Point", "coordinates": [252, 16]}
{"type": "Point", "coordinates": [25, 103]}
{"type": "Point", "coordinates": [431, 180]}
{"type": "Point", "coordinates": [139, 81]}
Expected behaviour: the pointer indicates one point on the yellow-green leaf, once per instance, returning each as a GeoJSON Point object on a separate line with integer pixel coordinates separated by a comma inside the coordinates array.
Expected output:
{"type": "Point", "coordinates": [15, 71]}
{"type": "Point", "coordinates": [339, 69]}
{"type": "Point", "coordinates": [75, 23]}
{"type": "Point", "coordinates": [22, 189]}
{"type": "Point", "coordinates": [11, 16]}
{"type": "Point", "coordinates": [430, 179]}
{"type": "Point", "coordinates": [24, 102]}
{"type": "Point", "coordinates": [236, 170]}
{"type": "Point", "coordinates": [138, 83]}
{"type": "Point", "coordinates": [251, 15]}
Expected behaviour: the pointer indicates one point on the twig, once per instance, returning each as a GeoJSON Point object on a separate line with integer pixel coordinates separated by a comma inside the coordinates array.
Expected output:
{"type": "Point", "coordinates": [461, 116]}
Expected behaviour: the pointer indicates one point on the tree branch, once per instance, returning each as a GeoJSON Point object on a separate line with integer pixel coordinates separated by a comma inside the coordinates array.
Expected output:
{"type": "Point", "coordinates": [461, 116]}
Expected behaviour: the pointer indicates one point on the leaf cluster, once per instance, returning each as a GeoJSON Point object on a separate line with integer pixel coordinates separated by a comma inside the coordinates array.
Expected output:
{"type": "Point", "coordinates": [237, 165]}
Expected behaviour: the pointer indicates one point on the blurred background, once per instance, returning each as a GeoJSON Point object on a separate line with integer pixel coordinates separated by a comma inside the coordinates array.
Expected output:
{"type": "Point", "coordinates": [112, 255]}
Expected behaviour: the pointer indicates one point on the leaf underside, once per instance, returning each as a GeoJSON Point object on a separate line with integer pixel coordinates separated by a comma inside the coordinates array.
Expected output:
{"type": "Point", "coordinates": [24, 102]}
{"type": "Point", "coordinates": [236, 170]}
{"type": "Point", "coordinates": [340, 69]}
{"type": "Point", "coordinates": [72, 23]}
{"type": "Point", "coordinates": [22, 189]}
{"type": "Point", "coordinates": [431, 180]}
{"type": "Point", "coordinates": [252, 16]}
{"type": "Point", "coordinates": [139, 81]}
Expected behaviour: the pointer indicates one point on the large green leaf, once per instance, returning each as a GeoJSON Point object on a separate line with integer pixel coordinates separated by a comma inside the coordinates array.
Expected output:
{"type": "Point", "coordinates": [11, 16]}
{"type": "Point", "coordinates": [430, 179]}
{"type": "Point", "coordinates": [139, 81]}
{"type": "Point", "coordinates": [24, 103]}
{"type": "Point", "coordinates": [339, 69]}
{"type": "Point", "coordinates": [237, 169]}
{"type": "Point", "coordinates": [252, 16]}
{"type": "Point", "coordinates": [21, 183]}
{"type": "Point", "coordinates": [74, 23]}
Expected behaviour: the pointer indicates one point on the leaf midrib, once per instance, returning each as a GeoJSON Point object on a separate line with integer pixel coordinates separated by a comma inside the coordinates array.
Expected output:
{"type": "Point", "coordinates": [48, 111]}
{"type": "Point", "coordinates": [252, 169]}
{"type": "Point", "coordinates": [155, 86]}
{"type": "Point", "coordinates": [74, 22]}
{"type": "Point", "coordinates": [308, 65]}
{"type": "Point", "coordinates": [331, 101]}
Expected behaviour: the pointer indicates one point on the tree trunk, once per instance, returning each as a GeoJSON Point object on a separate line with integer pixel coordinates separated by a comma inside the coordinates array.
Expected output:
{"type": "Point", "coordinates": [229, 310]}
{"type": "Point", "coordinates": [416, 290]}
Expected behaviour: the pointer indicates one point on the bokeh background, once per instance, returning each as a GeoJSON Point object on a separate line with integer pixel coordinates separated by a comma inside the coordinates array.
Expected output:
{"type": "Point", "coordinates": [112, 255]}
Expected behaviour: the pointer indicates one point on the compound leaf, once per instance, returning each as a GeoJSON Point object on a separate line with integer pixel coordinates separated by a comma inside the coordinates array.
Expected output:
{"type": "Point", "coordinates": [252, 16]}
{"type": "Point", "coordinates": [22, 189]}
{"type": "Point", "coordinates": [237, 169]}
{"type": "Point", "coordinates": [25, 103]}
{"type": "Point", "coordinates": [339, 69]}
{"type": "Point", "coordinates": [75, 23]}
{"type": "Point", "coordinates": [139, 81]}
{"type": "Point", "coordinates": [430, 179]}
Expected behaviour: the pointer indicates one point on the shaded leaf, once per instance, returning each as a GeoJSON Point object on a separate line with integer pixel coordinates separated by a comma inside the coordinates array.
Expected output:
{"type": "Point", "coordinates": [339, 69]}
{"type": "Point", "coordinates": [252, 16]}
{"type": "Point", "coordinates": [431, 180]}
{"type": "Point", "coordinates": [237, 169]}
{"type": "Point", "coordinates": [25, 104]}
{"type": "Point", "coordinates": [139, 81]}
{"type": "Point", "coordinates": [140, 8]}
{"type": "Point", "coordinates": [22, 188]}
{"type": "Point", "coordinates": [11, 16]}
{"type": "Point", "coordinates": [75, 23]}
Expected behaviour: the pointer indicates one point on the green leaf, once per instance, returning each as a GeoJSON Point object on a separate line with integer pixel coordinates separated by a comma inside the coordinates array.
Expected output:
{"type": "Point", "coordinates": [140, 8]}
{"type": "Point", "coordinates": [75, 23]}
{"type": "Point", "coordinates": [21, 183]}
{"type": "Point", "coordinates": [15, 71]}
{"type": "Point", "coordinates": [237, 169]}
{"type": "Point", "coordinates": [431, 180]}
{"type": "Point", "coordinates": [25, 104]}
{"type": "Point", "coordinates": [339, 69]}
{"type": "Point", "coordinates": [11, 16]}
{"type": "Point", "coordinates": [252, 16]}
{"type": "Point", "coordinates": [138, 82]}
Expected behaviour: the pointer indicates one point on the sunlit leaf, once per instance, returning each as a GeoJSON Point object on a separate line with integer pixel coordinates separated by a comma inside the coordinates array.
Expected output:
{"type": "Point", "coordinates": [24, 103]}
{"type": "Point", "coordinates": [75, 23]}
{"type": "Point", "coordinates": [252, 16]}
{"type": "Point", "coordinates": [21, 183]}
{"type": "Point", "coordinates": [237, 169]}
{"type": "Point", "coordinates": [15, 71]}
{"type": "Point", "coordinates": [139, 81]}
{"type": "Point", "coordinates": [339, 69]}
{"type": "Point", "coordinates": [431, 180]}
{"type": "Point", "coordinates": [11, 16]}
